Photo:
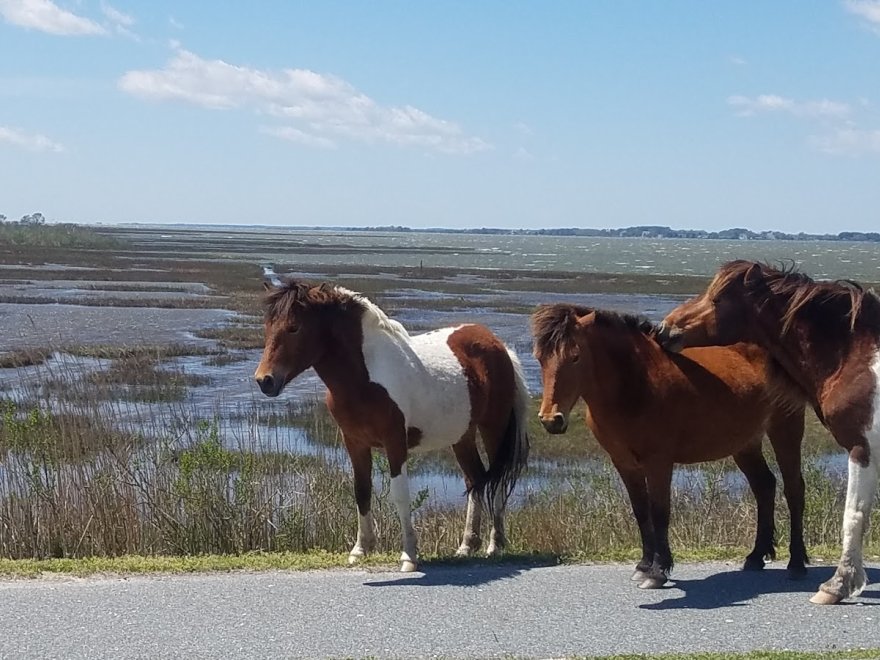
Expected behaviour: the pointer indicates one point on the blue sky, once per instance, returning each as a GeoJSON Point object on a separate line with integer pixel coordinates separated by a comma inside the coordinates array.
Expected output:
{"type": "Point", "coordinates": [497, 113]}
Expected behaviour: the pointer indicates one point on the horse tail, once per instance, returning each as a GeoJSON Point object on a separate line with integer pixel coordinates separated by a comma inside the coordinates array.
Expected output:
{"type": "Point", "coordinates": [513, 450]}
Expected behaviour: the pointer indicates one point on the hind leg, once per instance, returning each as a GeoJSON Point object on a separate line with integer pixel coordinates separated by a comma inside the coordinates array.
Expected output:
{"type": "Point", "coordinates": [763, 484]}
{"type": "Point", "coordinates": [786, 431]}
{"type": "Point", "coordinates": [475, 479]}
{"type": "Point", "coordinates": [492, 437]}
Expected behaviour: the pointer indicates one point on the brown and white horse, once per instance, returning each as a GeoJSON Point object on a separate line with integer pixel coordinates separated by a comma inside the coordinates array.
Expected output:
{"type": "Point", "coordinates": [825, 338]}
{"type": "Point", "coordinates": [650, 409]}
{"type": "Point", "coordinates": [398, 392]}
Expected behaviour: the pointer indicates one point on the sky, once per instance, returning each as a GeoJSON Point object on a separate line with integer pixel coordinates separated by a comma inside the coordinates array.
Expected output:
{"type": "Point", "coordinates": [499, 113]}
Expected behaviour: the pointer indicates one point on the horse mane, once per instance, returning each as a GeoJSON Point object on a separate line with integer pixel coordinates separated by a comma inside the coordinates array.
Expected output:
{"type": "Point", "coordinates": [552, 325]}
{"type": "Point", "coordinates": [290, 294]}
{"type": "Point", "coordinates": [801, 293]}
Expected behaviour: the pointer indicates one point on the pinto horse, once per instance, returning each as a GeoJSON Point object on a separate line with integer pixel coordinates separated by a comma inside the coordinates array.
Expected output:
{"type": "Point", "coordinates": [650, 409]}
{"type": "Point", "coordinates": [825, 339]}
{"type": "Point", "coordinates": [398, 392]}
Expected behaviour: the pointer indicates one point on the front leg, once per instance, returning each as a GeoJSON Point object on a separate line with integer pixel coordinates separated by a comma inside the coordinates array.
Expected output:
{"type": "Point", "coordinates": [362, 462]}
{"type": "Point", "coordinates": [400, 495]}
{"type": "Point", "coordinates": [637, 489]}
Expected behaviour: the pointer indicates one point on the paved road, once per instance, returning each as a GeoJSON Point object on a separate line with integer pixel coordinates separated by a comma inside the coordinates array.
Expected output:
{"type": "Point", "coordinates": [451, 612]}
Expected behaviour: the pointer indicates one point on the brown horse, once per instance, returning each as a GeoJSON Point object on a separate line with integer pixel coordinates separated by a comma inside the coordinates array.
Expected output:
{"type": "Point", "coordinates": [650, 409]}
{"type": "Point", "coordinates": [825, 339]}
{"type": "Point", "coordinates": [396, 392]}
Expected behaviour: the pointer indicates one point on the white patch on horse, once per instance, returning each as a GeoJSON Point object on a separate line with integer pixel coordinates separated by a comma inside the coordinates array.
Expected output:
{"type": "Point", "coordinates": [421, 375]}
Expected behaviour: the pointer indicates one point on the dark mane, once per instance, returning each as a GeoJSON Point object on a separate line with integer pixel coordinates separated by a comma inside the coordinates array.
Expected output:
{"type": "Point", "coordinates": [802, 295]}
{"type": "Point", "coordinates": [282, 299]}
{"type": "Point", "coordinates": [552, 325]}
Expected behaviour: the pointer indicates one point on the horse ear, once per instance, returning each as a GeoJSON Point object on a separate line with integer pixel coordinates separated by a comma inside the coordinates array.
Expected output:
{"type": "Point", "coordinates": [753, 275]}
{"type": "Point", "coordinates": [267, 286]}
{"type": "Point", "coordinates": [586, 320]}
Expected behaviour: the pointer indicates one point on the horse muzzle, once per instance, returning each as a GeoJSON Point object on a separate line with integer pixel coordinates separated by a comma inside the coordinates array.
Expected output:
{"type": "Point", "coordinates": [555, 423]}
{"type": "Point", "coordinates": [269, 385]}
{"type": "Point", "coordinates": [670, 337]}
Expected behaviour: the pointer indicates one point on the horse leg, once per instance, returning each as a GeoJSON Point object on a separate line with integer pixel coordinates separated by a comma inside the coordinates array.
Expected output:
{"type": "Point", "coordinates": [634, 481]}
{"type": "Point", "coordinates": [786, 432]}
{"type": "Point", "coordinates": [849, 579]}
{"type": "Point", "coordinates": [763, 484]}
{"type": "Point", "coordinates": [492, 436]}
{"type": "Point", "coordinates": [362, 462]}
{"type": "Point", "coordinates": [659, 481]}
{"type": "Point", "coordinates": [474, 478]}
{"type": "Point", "coordinates": [400, 496]}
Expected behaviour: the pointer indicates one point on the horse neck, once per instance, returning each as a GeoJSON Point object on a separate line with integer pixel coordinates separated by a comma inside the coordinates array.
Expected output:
{"type": "Point", "coordinates": [619, 369]}
{"type": "Point", "coordinates": [341, 367]}
{"type": "Point", "coordinates": [807, 364]}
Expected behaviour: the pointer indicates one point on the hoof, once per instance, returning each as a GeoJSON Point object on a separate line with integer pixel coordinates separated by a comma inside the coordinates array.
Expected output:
{"type": "Point", "coordinates": [494, 551]}
{"type": "Point", "coordinates": [355, 556]}
{"type": "Point", "coordinates": [824, 598]}
{"type": "Point", "coordinates": [639, 576]}
{"type": "Point", "coordinates": [652, 583]}
{"type": "Point", "coordinates": [463, 551]}
{"type": "Point", "coordinates": [751, 564]}
{"type": "Point", "coordinates": [407, 566]}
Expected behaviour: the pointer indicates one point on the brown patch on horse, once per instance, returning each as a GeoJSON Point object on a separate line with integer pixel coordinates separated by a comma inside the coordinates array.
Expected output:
{"type": "Point", "coordinates": [492, 389]}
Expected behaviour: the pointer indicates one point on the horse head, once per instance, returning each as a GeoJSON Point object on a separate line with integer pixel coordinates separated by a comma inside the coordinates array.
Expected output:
{"type": "Point", "coordinates": [295, 333]}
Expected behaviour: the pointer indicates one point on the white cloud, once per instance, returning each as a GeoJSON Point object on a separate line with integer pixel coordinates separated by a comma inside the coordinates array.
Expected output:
{"type": "Point", "coordinates": [747, 106]}
{"type": "Point", "coordinates": [849, 142]}
{"type": "Point", "coordinates": [173, 22]}
{"type": "Point", "coordinates": [869, 10]}
{"type": "Point", "coordinates": [321, 107]}
{"type": "Point", "coordinates": [46, 16]}
{"type": "Point", "coordinates": [29, 141]}
{"type": "Point", "coordinates": [117, 17]}
{"type": "Point", "coordinates": [298, 136]}
{"type": "Point", "coordinates": [737, 60]}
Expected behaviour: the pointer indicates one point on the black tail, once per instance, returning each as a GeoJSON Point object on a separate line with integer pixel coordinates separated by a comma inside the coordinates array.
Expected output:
{"type": "Point", "coordinates": [513, 450]}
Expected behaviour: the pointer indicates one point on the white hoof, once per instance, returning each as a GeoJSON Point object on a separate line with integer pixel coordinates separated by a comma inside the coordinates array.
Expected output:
{"type": "Point", "coordinates": [463, 551]}
{"type": "Point", "coordinates": [639, 576]}
{"type": "Point", "coordinates": [824, 598]}
{"type": "Point", "coordinates": [355, 555]}
{"type": "Point", "coordinates": [407, 566]}
{"type": "Point", "coordinates": [494, 550]}
{"type": "Point", "coordinates": [652, 583]}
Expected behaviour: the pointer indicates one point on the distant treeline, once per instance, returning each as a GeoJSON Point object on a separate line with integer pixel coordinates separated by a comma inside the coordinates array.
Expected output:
{"type": "Point", "coordinates": [646, 231]}
{"type": "Point", "coordinates": [32, 230]}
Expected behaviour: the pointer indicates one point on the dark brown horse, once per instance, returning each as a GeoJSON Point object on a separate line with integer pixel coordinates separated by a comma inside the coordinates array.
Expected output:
{"type": "Point", "coordinates": [650, 409]}
{"type": "Point", "coordinates": [825, 341]}
{"type": "Point", "coordinates": [399, 393]}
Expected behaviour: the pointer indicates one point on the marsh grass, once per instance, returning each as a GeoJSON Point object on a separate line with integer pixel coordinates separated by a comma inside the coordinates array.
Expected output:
{"type": "Point", "coordinates": [76, 482]}
{"type": "Point", "coordinates": [235, 336]}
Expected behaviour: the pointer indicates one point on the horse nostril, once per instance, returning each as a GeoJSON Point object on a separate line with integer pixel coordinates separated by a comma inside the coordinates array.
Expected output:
{"type": "Point", "coordinates": [555, 424]}
{"type": "Point", "coordinates": [267, 384]}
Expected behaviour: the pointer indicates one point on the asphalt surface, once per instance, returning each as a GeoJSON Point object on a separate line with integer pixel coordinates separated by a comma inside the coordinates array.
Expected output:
{"type": "Point", "coordinates": [449, 612]}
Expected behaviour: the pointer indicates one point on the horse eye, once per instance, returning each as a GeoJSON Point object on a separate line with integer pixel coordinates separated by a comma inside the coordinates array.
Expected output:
{"type": "Point", "coordinates": [575, 357]}
{"type": "Point", "coordinates": [293, 329]}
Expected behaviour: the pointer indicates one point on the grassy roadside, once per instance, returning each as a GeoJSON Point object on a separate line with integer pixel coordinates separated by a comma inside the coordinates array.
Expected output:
{"type": "Point", "coordinates": [854, 654]}
{"type": "Point", "coordinates": [323, 560]}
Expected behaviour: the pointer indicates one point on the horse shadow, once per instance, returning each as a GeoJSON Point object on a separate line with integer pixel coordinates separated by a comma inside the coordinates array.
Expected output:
{"type": "Point", "coordinates": [735, 588]}
{"type": "Point", "coordinates": [468, 572]}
